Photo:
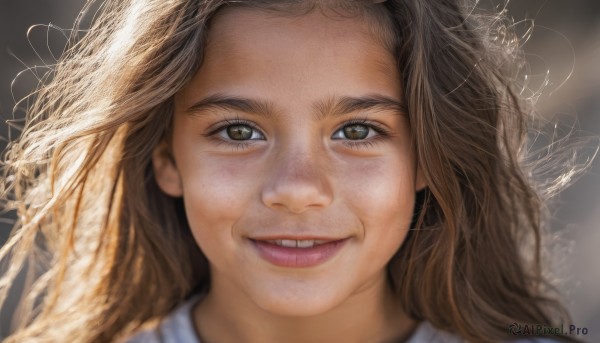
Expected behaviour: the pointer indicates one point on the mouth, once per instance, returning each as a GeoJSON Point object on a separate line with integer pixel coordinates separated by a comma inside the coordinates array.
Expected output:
{"type": "Point", "coordinates": [297, 243]}
{"type": "Point", "coordinates": [297, 252]}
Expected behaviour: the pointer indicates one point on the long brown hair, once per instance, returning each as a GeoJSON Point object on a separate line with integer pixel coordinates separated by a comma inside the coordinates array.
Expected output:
{"type": "Point", "coordinates": [108, 252]}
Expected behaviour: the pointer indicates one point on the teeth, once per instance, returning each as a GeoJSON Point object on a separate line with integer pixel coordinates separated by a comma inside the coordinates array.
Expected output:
{"type": "Point", "coordinates": [306, 244]}
{"type": "Point", "coordinates": [291, 243]}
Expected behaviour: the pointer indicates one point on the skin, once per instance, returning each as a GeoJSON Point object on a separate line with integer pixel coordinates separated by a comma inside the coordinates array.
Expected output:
{"type": "Point", "coordinates": [297, 175]}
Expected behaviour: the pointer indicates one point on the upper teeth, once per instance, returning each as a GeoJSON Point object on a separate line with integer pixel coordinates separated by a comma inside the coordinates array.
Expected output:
{"type": "Point", "coordinates": [292, 243]}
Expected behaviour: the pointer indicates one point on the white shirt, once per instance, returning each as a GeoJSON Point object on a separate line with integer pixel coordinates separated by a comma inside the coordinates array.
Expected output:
{"type": "Point", "coordinates": [178, 327]}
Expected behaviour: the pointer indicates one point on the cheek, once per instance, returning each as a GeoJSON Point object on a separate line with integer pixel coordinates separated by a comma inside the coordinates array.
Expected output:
{"type": "Point", "coordinates": [216, 190]}
{"type": "Point", "coordinates": [216, 194]}
{"type": "Point", "coordinates": [381, 195]}
{"type": "Point", "coordinates": [384, 204]}
{"type": "Point", "coordinates": [381, 192]}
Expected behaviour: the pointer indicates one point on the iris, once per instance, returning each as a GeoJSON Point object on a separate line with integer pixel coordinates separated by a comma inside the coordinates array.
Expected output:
{"type": "Point", "coordinates": [239, 132]}
{"type": "Point", "coordinates": [356, 131]}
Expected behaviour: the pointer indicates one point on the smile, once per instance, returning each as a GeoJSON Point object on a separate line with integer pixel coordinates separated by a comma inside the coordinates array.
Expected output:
{"type": "Point", "coordinates": [297, 253]}
{"type": "Point", "coordinates": [293, 243]}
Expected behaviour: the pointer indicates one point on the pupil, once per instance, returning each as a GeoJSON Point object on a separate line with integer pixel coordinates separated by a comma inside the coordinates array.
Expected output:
{"type": "Point", "coordinates": [239, 132]}
{"type": "Point", "coordinates": [356, 131]}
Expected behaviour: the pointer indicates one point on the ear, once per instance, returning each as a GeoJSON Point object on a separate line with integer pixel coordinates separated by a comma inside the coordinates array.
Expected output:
{"type": "Point", "coordinates": [420, 182]}
{"type": "Point", "coordinates": [165, 171]}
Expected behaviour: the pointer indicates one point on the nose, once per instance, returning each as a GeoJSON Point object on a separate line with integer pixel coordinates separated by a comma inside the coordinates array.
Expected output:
{"type": "Point", "coordinates": [297, 183]}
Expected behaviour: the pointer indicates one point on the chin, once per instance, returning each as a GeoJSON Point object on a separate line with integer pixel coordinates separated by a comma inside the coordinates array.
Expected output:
{"type": "Point", "coordinates": [294, 302]}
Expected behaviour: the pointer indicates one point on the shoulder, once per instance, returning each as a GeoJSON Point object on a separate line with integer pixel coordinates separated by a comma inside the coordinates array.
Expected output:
{"type": "Point", "coordinates": [174, 328]}
{"type": "Point", "coordinates": [426, 332]}
{"type": "Point", "coordinates": [178, 327]}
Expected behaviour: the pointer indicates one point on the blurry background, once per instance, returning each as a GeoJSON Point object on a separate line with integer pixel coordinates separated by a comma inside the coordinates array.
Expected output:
{"type": "Point", "coordinates": [565, 41]}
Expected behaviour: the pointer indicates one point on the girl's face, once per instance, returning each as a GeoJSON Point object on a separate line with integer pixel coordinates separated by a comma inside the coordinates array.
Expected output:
{"type": "Point", "coordinates": [291, 132]}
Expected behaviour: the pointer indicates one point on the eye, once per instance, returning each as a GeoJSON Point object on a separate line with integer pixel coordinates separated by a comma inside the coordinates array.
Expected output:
{"type": "Point", "coordinates": [355, 131]}
{"type": "Point", "coordinates": [239, 132]}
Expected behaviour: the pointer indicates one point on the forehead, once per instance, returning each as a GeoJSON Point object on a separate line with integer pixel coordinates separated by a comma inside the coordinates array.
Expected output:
{"type": "Point", "coordinates": [250, 49]}
{"type": "Point", "coordinates": [238, 24]}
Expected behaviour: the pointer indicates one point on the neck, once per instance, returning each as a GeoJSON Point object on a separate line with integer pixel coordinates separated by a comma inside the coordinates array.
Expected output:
{"type": "Point", "coordinates": [372, 314]}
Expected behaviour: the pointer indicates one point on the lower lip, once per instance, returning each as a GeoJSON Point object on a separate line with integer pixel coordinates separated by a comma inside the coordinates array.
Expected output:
{"type": "Point", "coordinates": [298, 257]}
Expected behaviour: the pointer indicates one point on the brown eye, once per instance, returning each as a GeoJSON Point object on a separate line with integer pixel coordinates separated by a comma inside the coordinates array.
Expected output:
{"type": "Point", "coordinates": [356, 131]}
{"type": "Point", "coordinates": [239, 132]}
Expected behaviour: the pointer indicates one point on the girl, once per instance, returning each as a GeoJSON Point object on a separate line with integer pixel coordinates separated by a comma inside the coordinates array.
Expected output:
{"type": "Point", "coordinates": [279, 171]}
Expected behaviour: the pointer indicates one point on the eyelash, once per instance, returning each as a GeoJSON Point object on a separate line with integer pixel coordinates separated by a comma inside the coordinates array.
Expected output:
{"type": "Point", "coordinates": [382, 134]}
{"type": "Point", "coordinates": [237, 145]}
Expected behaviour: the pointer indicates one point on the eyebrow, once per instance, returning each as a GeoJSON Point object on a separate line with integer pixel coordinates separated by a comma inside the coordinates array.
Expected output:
{"type": "Point", "coordinates": [330, 107]}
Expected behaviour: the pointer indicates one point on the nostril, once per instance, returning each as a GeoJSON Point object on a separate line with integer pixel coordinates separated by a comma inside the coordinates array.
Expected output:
{"type": "Point", "coordinates": [296, 197]}
{"type": "Point", "coordinates": [295, 206]}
